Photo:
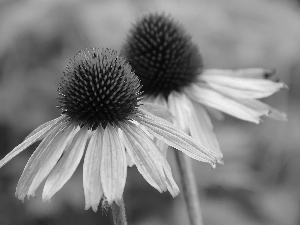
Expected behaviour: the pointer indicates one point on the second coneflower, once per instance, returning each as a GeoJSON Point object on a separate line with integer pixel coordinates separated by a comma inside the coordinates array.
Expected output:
{"type": "Point", "coordinates": [170, 68]}
{"type": "Point", "coordinates": [101, 116]}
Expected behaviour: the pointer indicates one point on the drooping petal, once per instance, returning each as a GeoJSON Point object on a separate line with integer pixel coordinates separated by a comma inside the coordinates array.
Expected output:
{"type": "Point", "coordinates": [258, 73]}
{"type": "Point", "coordinates": [193, 121]}
{"type": "Point", "coordinates": [92, 170]}
{"type": "Point", "coordinates": [130, 162]}
{"type": "Point", "coordinates": [144, 159]}
{"type": "Point", "coordinates": [150, 161]}
{"type": "Point", "coordinates": [26, 143]}
{"type": "Point", "coordinates": [179, 107]}
{"type": "Point", "coordinates": [203, 94]}
{"type": "Point", "coordinates": [141, 159]}
{"type": "Point", "coordinates": [51, 155]}
{"type": "Point", "coordinates": [201, 128]}
{"type": "Point", "coordinates": [263, 109]}
{"type": "Point", "coordinates": [161, 145]}
{"type": "Point", "coordinates": [158, 110]}
{"type": "Point", "coordinates": [178, 139]}
{"type": "Point", "coordinates": [33, 164]}
{"type": "Point", "coordinates": [113, 165]}
{"type": "Point", "coordinates": [242, 87]}
{"type": "Point", "coordinates": [49, 123]}
{"type": "Point", "coordinates": [67, 165]}
{"type": "Point", "coordinates": [215, 113]}
{"type": "Point", "coordinates": [277, 115]}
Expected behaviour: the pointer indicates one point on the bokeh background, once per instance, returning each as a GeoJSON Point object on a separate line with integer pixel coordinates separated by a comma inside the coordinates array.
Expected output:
{"type": "Point", "coordinates": [260, 181]}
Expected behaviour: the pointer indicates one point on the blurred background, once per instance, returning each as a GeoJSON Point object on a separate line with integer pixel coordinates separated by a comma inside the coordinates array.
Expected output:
{"type": "Point", "coordinates": [260, 181]}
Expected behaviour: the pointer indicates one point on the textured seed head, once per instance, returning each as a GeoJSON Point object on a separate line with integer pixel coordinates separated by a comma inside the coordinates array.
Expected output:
{"type": "Point", "coordinates": [98, 87]}
{"type": "Point", "coordinates": [162, 55]}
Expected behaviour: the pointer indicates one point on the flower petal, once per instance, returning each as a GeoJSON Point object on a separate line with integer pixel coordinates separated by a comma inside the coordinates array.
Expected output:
{"type": "Point", "coordinates": [33, 164]}
{"type": "Point", "coordinates": [49, 123]}
{"type": "Point", "coordinates": [157, 110]}
{"type": "Point", "coordinates": [277, 115]}
{"type": "Point", "coordinates": [243, 73]}
{"type": "Point", "coordinates": [201, 128]}
{"type": "Point", "coordinates": [178, 105]}
{"type": "Point", "coordinates": [150, 161]}
{"type": "Point", "coordinates": [242, 87]}
{"type": "Point", "coordinates": [67, 164]}
{"type": "Point", "coordinates": [195, 122]}
{"type": "Point", "coordinates": [216, 114]}
{"type": "Point", "coordinates": [263, 109]}
{"type": "Point", "coordinates": [130, 162]}
{"type": "Point", "coordinates": [113, 165]}
{"type": "Point", "coordinates": [26, 143]}
{"type": "Point", "coordinates": [203, 94]}
{"type": "Point", "coordinates": [178, 139]}
{"type": "Point", "coordinates": [92, 170]}
{"type": "Point", "coordinates": [51, 155]}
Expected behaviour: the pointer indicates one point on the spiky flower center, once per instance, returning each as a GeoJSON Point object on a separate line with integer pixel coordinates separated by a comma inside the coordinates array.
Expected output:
{"type": "Point", "coordinates": [162, 55]}
{"type": "Point", "coordinates": [98, 87]}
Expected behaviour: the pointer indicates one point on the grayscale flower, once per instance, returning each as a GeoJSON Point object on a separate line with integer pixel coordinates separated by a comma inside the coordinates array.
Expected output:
{"type": "Point", "coordinates": [170, 68]}
{"type": "Point", "coordinates": [101, 120]}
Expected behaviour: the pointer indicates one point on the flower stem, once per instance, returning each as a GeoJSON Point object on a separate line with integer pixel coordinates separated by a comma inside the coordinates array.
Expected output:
{"type": "Point", "coordinates": [118, 212]}
{"type": "Point", "coordinates": [189, 186]}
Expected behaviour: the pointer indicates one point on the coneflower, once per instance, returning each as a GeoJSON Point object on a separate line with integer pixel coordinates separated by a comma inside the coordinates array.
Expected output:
{"type": "Point", "coordinates": [170, 68]}
{"type": "Point", "coordinates": [101, 120]}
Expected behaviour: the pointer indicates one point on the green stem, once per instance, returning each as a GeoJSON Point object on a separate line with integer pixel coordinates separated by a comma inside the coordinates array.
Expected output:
{"type": "Point", "coordinates": [118, 212]}
{"type": "Point", "coordinates": [189, 187]}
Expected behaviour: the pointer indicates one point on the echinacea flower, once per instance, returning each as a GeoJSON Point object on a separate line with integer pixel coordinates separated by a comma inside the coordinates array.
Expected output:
{"type": "Point", "coordinates": [101, 120]}
{"type": "Point", "coordinates": [170, 68]}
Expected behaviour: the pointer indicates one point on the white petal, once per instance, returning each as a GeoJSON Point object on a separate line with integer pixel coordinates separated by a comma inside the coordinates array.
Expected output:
{"type": "Point", "coordinates": [201, 128]}
{"type": "Point", "coordinates": [113, 165]}
{"type": "Point", "coordinates": [158, 100]}
{"type": "Point", "coordinates": [195, 122]}
{"type": "Point", "coordinates": [179, 107]}
{"type": "Point", "coordinates": [203, 94]}
{"type": "Point", "coordinates": [149, 160]}
{"type": "Point", "coordinates": [91, 170]}
{"type": "Point", "coordinates": [26, 143]}
{"type": "Point", "coordinates": [243, 73]}
{"type": "Point", "coordinates": [263, 109]}
{"type": "Point", "coordinates": [178, 139]}
{"type": "Point", "coordinates": [129, 160]}
{"type": "Point", "coordinates": [130, 163]}
{"type": "Point", "coordinates": [49, 123]}
{"type": "Point", "coordinates": [163, 147]}
{"type": "Point", "coordinates": [277, 115]}
{"type": "Point", "coordinates": [158, 110]}
{"type": "Point", "coordinates": [33, 165]}
{"type": "Point", "coordinates": [215, 113]}
{"type": "Point", "coordinates": [242, 87]}
{"type": "Point", "coordinates": [50, 156]}
{"type": "Point", "coordinates": [67, 164]}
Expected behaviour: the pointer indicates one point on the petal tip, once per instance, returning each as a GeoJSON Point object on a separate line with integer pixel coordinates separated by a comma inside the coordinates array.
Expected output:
{"type": "Point", "coordinates": [20, 196]}
{"type": "Point", "coordinates": [95, 208]}
{"type": "Point", "coordinates": [46, 198]}
{"type": "Point", "coordinates": [220, 161]}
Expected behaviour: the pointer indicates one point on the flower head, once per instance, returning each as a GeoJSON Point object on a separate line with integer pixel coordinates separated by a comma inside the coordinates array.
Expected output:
{"type": "Point", "coordinates": [162, 55]}
{"type": "Point", "coordinates": [171, 71]}
{"type": "Point", "coordinates": [101, 116]}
